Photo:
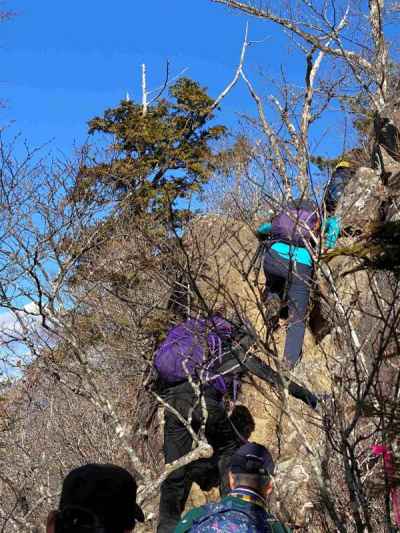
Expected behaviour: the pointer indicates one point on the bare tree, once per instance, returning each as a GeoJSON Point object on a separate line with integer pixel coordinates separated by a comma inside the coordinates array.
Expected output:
{"type": "Point", "coordinates": [87, 285]}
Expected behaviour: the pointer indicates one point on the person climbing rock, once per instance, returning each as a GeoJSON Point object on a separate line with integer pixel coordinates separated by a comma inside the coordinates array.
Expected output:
{"type": "Point", "coordinates": [207, 355]}
{"type": "Point", "coordinates": [341, 176]}
{"type": "Point", "coordinates": [288, 266]}
{"type": "Point", "coordinates": [244, 509]}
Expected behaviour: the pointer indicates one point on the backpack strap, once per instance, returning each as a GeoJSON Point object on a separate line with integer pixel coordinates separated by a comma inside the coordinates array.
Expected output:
{"type": "Point", "coordinates": [256, 260]}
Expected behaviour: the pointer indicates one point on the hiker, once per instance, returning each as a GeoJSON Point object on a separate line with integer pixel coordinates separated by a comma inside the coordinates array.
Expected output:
{"type": "Point", "coordinates": [244, 509]}
{"type": "Point", "coordinates": [341, 176]}
{"type": "Point", "coordinates": [288, 267]}
{"type": "Point", "coordinates": [213, 354]}
{"type": "Point", "coordinates": [96, 498]}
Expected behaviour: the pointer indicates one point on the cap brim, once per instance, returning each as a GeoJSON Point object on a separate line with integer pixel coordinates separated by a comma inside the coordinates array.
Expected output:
{"type": "Point", "coordinates": [138, 513]}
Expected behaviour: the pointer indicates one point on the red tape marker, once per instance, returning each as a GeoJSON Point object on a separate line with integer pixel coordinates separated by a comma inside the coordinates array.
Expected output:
{"type": "Point", "coordinates": [388, 463]}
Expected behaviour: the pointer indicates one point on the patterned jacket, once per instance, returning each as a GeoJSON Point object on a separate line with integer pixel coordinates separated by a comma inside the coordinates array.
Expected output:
{"type": "Point", "coordinates": [231, 514]}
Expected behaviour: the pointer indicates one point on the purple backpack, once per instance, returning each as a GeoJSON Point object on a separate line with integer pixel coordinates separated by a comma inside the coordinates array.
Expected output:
{"type": "Point", "coordinates": [194, 348]}
{"type": "Point", "coordinates": [296, 224]}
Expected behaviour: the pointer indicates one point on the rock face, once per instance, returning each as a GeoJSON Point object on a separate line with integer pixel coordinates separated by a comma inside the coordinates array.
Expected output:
{"type": "Point", "coordinates": [365, 204]}
{"type": "Point", "coordinates": [361, 201]}
{"type": "Point", "coordinates": [350, 308]}
{"type": "Point", "coordinates": [296, 434]}
{"type": "Point", "coordinates": [387, 133]}
{"type": "Point", "coordinates": [387, 156]}
{"type": "Point", "coordinates": [292, 439]}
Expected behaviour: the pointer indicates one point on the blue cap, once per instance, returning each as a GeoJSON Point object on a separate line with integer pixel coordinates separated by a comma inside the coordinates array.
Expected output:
{"type": "Point", "coordinates": [252, 458]}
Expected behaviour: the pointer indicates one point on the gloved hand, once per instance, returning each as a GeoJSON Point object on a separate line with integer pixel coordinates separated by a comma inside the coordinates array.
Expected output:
{"type": "Point", "coordinates": [261, 236]}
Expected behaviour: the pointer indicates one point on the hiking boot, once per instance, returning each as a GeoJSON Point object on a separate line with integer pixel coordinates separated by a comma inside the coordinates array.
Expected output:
{"type": "Point", "coordinates": [272, 304]}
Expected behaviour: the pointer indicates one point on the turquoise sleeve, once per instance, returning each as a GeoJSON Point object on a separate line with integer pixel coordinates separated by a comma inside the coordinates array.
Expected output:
{"type": "Point", "coordinates": [332, 231]}
{"type": "Point", "coordinates": [264, 228]}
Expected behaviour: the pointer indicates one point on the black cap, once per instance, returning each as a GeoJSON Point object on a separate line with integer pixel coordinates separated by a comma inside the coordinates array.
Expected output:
{"type": "Point", "coordinates": [105, 491]}
{"type": "Point", "coordinates": [252, 458]}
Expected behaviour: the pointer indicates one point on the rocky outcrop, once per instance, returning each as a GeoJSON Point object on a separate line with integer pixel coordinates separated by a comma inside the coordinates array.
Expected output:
{"type": "Point", "coordinates": [350, 304]}
{"type": "Point", "coordinates": [361, 201]}
{"type": "Point", "coordinates": [226, 254]}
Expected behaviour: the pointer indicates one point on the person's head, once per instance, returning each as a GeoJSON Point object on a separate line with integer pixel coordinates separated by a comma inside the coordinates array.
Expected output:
{"type": "Point", "coordinates": [96, 498]}
{"type": "Point", "coordinates": [252, 466]}
{"type": "Point", "coordinates": [242, 420]}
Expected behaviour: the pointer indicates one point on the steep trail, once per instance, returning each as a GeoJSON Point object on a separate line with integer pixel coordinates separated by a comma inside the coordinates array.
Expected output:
{"type": "Point", "coordinates": [350, 316]}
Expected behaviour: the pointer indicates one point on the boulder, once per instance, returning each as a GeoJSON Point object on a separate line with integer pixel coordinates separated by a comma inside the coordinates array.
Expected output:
{"type": "Point", "coordinates": [361, 201]}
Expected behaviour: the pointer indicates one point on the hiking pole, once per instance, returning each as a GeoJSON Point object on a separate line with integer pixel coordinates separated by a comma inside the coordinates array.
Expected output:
{"type": "Point", "coordinates": [256, 261]}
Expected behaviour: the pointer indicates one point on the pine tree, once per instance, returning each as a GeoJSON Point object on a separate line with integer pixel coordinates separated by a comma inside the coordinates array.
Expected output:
{"type": "Point", "coordinates": [159, 155]}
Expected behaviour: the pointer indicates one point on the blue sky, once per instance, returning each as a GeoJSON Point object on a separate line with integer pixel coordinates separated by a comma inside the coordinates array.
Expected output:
{"type": "Point", "coordinates": [65, 62]}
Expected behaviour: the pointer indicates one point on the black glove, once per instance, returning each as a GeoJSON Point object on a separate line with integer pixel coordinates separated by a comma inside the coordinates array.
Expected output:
{"type": "Point", "coordinates": [261, 236]}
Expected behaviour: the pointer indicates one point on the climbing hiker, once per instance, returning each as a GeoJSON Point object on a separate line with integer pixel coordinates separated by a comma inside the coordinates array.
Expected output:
{"type": "Point", "coordinates": [244, 509]}
{"type": "Point", "coordinates": [96, 498]}
{"type": "Point", "coordinates": [208, 355]}
{"type": "Point", "coordinates": [288, 266]}
{"type": "Point", "coordinates": [343, 173]}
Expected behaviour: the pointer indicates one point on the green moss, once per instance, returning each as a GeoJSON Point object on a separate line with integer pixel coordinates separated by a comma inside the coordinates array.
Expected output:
{"type": "Point", "coordinates": [379, 249]}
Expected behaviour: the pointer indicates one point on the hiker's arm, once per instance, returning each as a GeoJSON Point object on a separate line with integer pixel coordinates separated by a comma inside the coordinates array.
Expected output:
{"type": "Point", "coordinates": [331, 232]}
{"type": "Point", "coordinates": [239, 362]}
{"type": "Point", "coordinates": [263, 230]}
{"type": "Point", "coordinates": [257, 367]}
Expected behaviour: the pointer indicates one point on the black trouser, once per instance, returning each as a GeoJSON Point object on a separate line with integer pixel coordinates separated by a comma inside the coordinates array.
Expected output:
{"type": "Point", "coordinates": [291, 281]}
{"type": "Point", "coordinates": [178, 442]}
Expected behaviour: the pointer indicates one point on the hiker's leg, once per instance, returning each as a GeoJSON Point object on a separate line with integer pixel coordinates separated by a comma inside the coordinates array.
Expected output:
{"type": "Point", "coordinates": [204, 472]}
{"type": "Point", "coordinates": [299, 285]}
{"type": "Point", "coordinates": [275, 280]}
{"type": "Point", "coordinates": [177, 443]}
{"type": "Point", "coordinates": [303, 394]}
{"type": "Point", "coordinates": [259, 368]}
{"type": "Point", "coordinates": [222, 437]}
{"type": "Point", "coordinates": [275, 274]}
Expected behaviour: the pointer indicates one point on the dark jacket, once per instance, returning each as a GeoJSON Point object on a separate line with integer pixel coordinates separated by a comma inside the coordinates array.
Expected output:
{"type": "Point", "coordinates": [231, 514]}
{"type": "Point", "coordinates": [236, 362]}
